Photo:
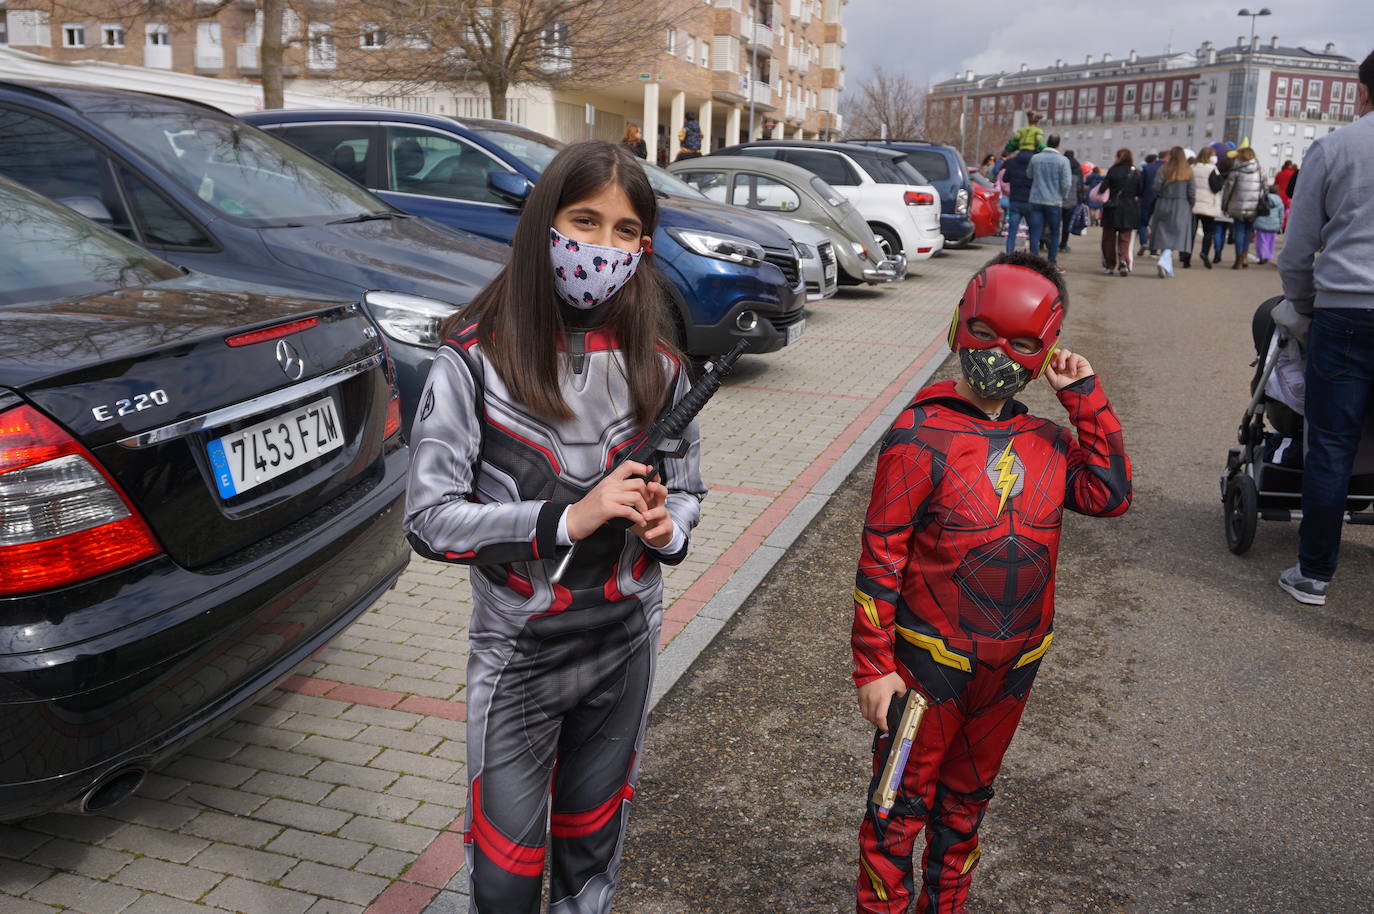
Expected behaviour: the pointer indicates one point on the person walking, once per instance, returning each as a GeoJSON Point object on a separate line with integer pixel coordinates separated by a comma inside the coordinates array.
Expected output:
{"type": "Point", "coordinates": [1051, 183]}
{"type": "Point", "coordinates": [1240, 199]}
{"type": "Point", "coordinates": [690, 138]}
{"type": "Point", "coordinates": [1332, 214]}
{"type": "Point", "coordinates": [1171, 226]}
{"type": "Point", "coordinates": [635, 142]}
{"type": "Point", "coordinates": [1120, 214]}
{"type": "Point", "coordinates": [1281, 181]}
{"type": "Point", "coordinates": [1207, 181]}
{"type": "Point", "coordinates": [1268, 226]}
{"type": "Point", "coordinates": [1072, 199]}
{"type": "Point", "coordinates": [1090, 181]}
{"type": "Point", "coordinates": [1016, 175]}
{"type": "Point", "coordinates": [1153, 163]}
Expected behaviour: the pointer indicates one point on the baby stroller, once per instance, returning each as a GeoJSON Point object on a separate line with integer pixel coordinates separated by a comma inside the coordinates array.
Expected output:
{"type": "Point", "coordinates": [1263, 478]}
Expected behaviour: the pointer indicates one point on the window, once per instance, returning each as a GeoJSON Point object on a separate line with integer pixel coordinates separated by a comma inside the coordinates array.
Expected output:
{"type": "Point", "coordinates": [158, 34]}
{"type": "Point", "coordinates": [1176, 91]}
{"type": "Point", "coordinates": [1280, 110]}
{"type": "Point", "coordinates": [714, 185]}
{"type": "Point", "coordinates": [1278, 129]}
{"type": "Point", "coordinates": [689, 49]}
{"type": "Point", "coordinates": [703, 53]}
{"type": "Point", "coordinates": [828, 166]}
{"type": "Point", "coordinates": [321, 53]}
{"type": "Point", "coordinates": [4, 30]}
{"type": "Point", "coordinates": [112, 36]}
{"type": "Point", "coordinates": [1335, 91]}
{"type": "Point", "coordinates": [1274, 150]}
{"type": "Point", "coordinates": [1111, 95]}
{"type": "Point", "coordinates": [1147, 93]}
{"type": "Point", "coordinates": [73, 35]}
{"type": "Point", "coordinates": [929, 163]}
{"type": "Point", "coordinates": [1281, 87]}
{"type": "Point", "coordinates": [1042, 100]}
{"type": "Point", "coordinates": [163, 224]}
{"type": "Point", "coordinates": [557, 47]}
{"type": "Point", "coordinates": [672, 40]}
{"type": "Point", "coordinates": [1293, 129]}
{"type": "Point", "coordinates": [373, 37]}
{"type": "Point", "coordinates": [1130, 94]}
{"type": "Point", "coordinates": [1350, 91]}
{"type": "Point", "coordinates": [1297, 88]}
{"type": "Point", "coordinates": [346, 147]}
{"type": "Point", "coordinates": [439, 165]}
{"type": "Point", "coordinates": [763, 193]}
{"type": "Point", "coordinates": [1309, 131]}
{"type": "Point", "coordinates": [1314, 89]}
{"type": "Point", "coordinates": [1348, 111]}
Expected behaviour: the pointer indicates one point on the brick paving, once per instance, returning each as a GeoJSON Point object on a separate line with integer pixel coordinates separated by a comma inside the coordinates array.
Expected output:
{"type": "Point", "coordinates": [343, 790]}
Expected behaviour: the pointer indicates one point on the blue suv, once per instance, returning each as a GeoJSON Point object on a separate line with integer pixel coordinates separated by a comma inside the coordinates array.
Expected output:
{"type": "Point", "coordinates": [944, 168]}
{"type": "Point", "coordinates": [734, 275]}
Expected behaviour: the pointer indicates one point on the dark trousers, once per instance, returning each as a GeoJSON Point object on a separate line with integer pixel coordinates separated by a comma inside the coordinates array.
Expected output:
{"type": "Point", "coordinates": [1340, 389]}
{"type": "Point", "coordinates": [1209, 231]}
{"type": "Point", "coordinates": [1116, 246]}
{"type": "Point", "coordinates": [1065, 219]}
{"type": "Point", "coordinates": [1147, 211]}
{"type": "Point", "coordinates": [1044, 223]}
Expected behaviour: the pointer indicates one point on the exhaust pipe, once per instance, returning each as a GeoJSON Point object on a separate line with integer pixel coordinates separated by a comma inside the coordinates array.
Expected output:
{"type": "Point", "coordinates": [113, 788]}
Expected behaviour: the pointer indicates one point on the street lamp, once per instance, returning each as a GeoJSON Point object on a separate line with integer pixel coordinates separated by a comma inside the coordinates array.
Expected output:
{"type": "Point", "coordinates": [1253, 16]}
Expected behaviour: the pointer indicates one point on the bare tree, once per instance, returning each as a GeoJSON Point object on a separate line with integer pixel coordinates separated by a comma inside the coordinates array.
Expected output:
{"type": "Point", "coordinates": [887, 103]}
{"type": "Point", "coordinates": [504, 43]}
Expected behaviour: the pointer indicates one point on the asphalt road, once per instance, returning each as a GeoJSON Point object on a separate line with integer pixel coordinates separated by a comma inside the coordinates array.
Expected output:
{"type": "Point", "coordinates": [1196, 740]}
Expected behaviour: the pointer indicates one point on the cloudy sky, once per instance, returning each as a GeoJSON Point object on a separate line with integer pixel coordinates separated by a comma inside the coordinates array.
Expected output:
{"type": "Point", "coordinates": [940, 38]}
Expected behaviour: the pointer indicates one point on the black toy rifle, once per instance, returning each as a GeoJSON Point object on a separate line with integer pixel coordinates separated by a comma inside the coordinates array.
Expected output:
{"type": "Point", "coordinates": [669, 427]}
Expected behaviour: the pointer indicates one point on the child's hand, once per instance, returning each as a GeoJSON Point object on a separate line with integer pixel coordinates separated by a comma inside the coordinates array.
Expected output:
{"type": "Point", "coordinates": [657, 529]}
{"type": "Point", "coordinates": [621, 494]}
{"type": "Point", "coordinates": [1065, 367]}
{"type": "Point", "coordinates": [875, 696]}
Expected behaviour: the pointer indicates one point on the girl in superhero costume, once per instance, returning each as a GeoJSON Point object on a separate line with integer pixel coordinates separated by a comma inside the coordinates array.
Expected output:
{"type": "Point", "coordinates": [555, 368]}
{"type": "Point", "coordinates": [955, 588]}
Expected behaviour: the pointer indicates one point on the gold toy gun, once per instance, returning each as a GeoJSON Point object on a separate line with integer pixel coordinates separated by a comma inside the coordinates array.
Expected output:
{"type": "Point", "coordinates": [903, 719]}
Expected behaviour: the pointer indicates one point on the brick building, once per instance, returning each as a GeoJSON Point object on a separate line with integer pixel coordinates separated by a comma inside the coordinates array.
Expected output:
{"type": "Point", "coordinates": [724, 59]}
{"type": "Point", "coordinates": [1278, 98]}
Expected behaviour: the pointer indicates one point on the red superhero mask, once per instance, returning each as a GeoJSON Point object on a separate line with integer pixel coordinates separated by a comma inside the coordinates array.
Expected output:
{"type": "Point", "coordinates": [1015, 303]}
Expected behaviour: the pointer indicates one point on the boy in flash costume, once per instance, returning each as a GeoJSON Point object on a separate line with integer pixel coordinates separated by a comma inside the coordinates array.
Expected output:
{"type": "Point", "coordinates": [955, 588]}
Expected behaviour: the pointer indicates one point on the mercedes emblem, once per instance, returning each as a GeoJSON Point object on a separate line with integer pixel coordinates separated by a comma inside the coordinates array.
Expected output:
{"type": "Point", "coordinates": [290, 360]}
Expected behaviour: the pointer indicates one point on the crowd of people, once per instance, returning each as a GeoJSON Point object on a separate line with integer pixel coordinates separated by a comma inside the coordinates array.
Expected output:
{"type": "Point", "coordinates": [1174, 204]}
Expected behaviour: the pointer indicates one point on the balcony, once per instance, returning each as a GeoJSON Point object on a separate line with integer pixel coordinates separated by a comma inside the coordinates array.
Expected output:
{"type": "Point", "coordinates": [805, 65]}
{"type": "Point", "coordinates": [760, 37]}
{"type": "Point", "coordinates": [759, 92]}
{"type": "Point", "coordinates": [735, 5]}
{"type": "Point", "coordinates": [209, 58]}
{"type": "Point", "coordinates": [793, 57]}
{"type": "Point", "coordinates": [158, 56]}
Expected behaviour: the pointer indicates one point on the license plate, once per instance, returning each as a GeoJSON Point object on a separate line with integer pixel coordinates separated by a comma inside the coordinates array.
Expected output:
{"type": "Point", "coordinates": [829, 273]}
{"type": "Point", "coordinates": [254, 455]}
{"type": "Point", "coordinates": [794, 331]}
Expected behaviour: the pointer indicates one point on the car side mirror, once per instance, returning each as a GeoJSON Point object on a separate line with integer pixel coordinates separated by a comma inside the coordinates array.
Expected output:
{"type": "Point", "coordinates": [90, 207]}
{"type": "Point", "coordinates": [509, 186]}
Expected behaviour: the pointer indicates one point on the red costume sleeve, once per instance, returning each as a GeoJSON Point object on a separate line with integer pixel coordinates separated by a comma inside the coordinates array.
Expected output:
{"type": "Point", "coordinates": [1099, 477]}
{"type": "Point", "coordinates": [905, 479]}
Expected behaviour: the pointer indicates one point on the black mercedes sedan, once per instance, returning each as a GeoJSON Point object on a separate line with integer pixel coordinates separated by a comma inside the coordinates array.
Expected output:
{"type": "Point", "coordinates": [200, 484]}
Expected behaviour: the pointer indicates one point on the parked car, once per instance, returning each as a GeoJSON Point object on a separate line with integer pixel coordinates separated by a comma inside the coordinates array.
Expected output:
{"type": "Point", "coordinates": [943, 167]}
{"type": "Point", "coordinates": [215, 195]}
{"type": "Point", "coordinates": [899, 206]}
{"type": "Point", "coordinates": [986, 210]}
{"type": "Point", "coordinates": [732, 275]}
{"type": "Point", "coordinates": [773, 186]}
{"type": "Point", "coordinates": [200, 484]}
{"type": "Point", "coordinates": [817, 255]}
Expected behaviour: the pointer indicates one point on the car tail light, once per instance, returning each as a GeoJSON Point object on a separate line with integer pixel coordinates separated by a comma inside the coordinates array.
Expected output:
{"type": "Point", "coordinates": [393, 406]}
{"type": "Point", "coordinates": [918, 198]}
{"type": "Point", "coordinates": [62, 518]}
{"type": "Point", "coordinates": [271, 333]}
{"type": "Point", "coordinates": [961, 202]}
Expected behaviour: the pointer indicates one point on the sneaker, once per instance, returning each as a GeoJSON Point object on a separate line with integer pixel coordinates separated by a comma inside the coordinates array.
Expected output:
{"type": "Point", "coordinates": [1303, 589]}
{"type": "Point", "coordinates": [1160, 270]}
{"type": "Point", "coordinates": [1108, 272]}
{"type": "Point", "coordinates": [1058, 269]}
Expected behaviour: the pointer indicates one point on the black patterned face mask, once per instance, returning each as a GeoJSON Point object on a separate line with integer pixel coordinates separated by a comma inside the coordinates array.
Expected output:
{"type": "Point", "coordinates": [992, 373]}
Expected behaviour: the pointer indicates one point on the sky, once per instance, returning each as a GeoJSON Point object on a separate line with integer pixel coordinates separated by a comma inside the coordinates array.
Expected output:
{"type": "Point", "coordinates": [944, 37]}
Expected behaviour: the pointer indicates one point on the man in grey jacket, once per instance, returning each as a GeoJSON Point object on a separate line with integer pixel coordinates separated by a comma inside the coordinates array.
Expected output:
{"type": "Point", "coordinates": [1332, 216]}
{"type": "Point", "coordinates": [1051, 182]}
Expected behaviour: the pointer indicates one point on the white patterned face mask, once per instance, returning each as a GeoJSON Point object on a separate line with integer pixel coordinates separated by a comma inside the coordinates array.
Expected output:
{"type": "Point", "coordinates": [588, 274]}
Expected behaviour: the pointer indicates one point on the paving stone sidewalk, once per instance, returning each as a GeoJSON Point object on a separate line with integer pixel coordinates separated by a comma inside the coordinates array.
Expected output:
{"type": "Point", "coordinates": [343, 790]}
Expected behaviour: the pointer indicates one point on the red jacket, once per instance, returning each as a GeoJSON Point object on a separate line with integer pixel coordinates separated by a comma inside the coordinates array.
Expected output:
{"type": "Point", "coordinates": [962, 533]}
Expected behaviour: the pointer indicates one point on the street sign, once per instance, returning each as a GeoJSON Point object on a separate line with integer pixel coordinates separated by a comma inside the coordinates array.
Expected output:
{"type": "Point", "coordinates": [646, 77]}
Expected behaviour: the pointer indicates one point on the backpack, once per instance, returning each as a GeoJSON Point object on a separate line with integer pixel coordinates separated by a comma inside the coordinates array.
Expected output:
{"type": "Point", "coordinates": [1216, 181]}
{"type": "Point", "coordinates": [1262, 208]}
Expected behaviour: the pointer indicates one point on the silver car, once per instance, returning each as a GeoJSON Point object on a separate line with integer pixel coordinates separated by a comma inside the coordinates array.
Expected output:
{"type": "Point", "coordinates": [781, 189]}
{"type": "Point", "coordinates": [817, 253]}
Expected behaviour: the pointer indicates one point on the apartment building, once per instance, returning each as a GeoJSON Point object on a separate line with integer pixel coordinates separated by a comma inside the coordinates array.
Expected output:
{"type": "Point", "coordinates": [1276, 98]}
{"type": "Point", "coordinates": [746, 68]}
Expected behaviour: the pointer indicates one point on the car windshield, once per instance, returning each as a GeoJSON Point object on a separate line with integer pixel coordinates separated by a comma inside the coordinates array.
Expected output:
{"type": "Point", "coordinates": [533, 149]}
{"type": "Point", "coordinates": [250, 177]}
{"type": "Point", "coordinates": [665, 182]}
{"type": "Point", "coordinates": [51, 252]}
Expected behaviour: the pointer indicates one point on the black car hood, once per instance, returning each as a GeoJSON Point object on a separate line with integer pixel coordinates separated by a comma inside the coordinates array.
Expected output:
{"type": "Point", "coordinates": [42, 339]}
{"type": "Point", "coordinates": [400, 255]}
{"type": "Point", "coordinates": [708, 215]}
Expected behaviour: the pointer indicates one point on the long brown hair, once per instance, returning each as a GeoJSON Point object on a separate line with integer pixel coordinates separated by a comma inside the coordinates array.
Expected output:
{"type": "Point", "coordinates": [1124, 155]}
{"type": "Point", "coordinates": [631, 134]}
{"type": "Point", "coordinates": [519, 318]}
{"type": "Point", "coordinates": [1178, 168]}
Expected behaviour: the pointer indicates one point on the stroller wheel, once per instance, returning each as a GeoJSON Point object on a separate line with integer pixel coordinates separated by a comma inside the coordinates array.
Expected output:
{"type": "Point", "coordinates": [1241, 506]}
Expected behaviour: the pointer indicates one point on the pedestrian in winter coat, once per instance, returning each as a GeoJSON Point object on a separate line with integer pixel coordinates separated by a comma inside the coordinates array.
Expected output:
{"type": "Point", "coordinates": [1016, 175]}
{"type": "Point", "coordinates": [1171, 226]}
{"type": "Point", "coordinates": [690, 138]}
{"type": "Point", "coordinates": [1240, 199]}
{"type": "Point", "coordinates": [1207, 181]}
{"type": "Point", "coordinates": [1051, 181]}
{"type": "Point", "coordinates": [1120, 214]}
{"type": "Point", "coordinates": [1076, 195]}
{"type": "Point", "coordinates": [634, 142]}
{"type": "Point", "coordinates": [1268, 226]}
{"type": "Point", "coordinates": [1148, 172]}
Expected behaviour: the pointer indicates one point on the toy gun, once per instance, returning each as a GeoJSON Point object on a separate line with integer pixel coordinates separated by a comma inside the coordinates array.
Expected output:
{"type": "Point", "coordinates": [903, 719]}
{"type": "Point", "coordinates": [668, 428]}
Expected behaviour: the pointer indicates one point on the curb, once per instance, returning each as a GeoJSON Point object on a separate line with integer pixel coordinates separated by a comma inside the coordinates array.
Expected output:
{"type": "Point", "coordinates": [675, 659]}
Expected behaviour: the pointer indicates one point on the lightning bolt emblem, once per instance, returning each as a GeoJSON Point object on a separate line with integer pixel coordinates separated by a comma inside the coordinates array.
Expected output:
{"type": "Point", "coordinates": [1006, 479]}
